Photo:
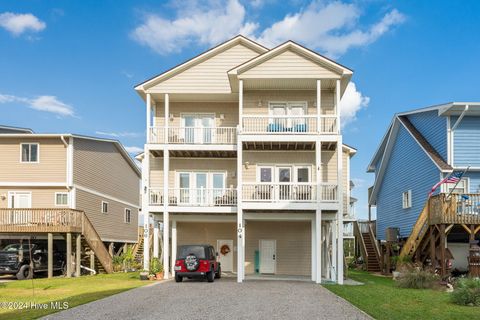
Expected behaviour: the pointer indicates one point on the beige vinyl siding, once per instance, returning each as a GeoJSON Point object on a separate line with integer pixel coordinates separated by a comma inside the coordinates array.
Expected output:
{"type": "Point", "coordinates": [289, 64]}
{"type": "Point", "coordinates": [209, 76]}
{"type": "Point", "coordinates": [293, 245]}
{"type": "Point", "coordinates": [52, 166]}
{"type": "Point", "coordinates": [329, 166]}
{"type": "Point", "coordinates": [228, 109]}
{"type": "Point", "coordinates": [229, 166]}
{"type": "Point", "coordinates": [41, 197]}
{"type": "Point", "coordinates": [251, 100]}
{"type": "Point", "coordinates": [100, 166]}
{"type": "Point", "coordinates": [111, 225]}
{"type": "Point", "coordinates": [257, 158]}
{"type": "Point", "coordinates": [207, 233]}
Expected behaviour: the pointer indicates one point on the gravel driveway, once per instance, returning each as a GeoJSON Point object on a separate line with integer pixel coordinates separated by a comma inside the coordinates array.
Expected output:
{"type": "Point", "coordinates": [223, 299]}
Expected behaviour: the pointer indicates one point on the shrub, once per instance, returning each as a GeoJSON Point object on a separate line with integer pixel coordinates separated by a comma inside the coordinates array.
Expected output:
{"type": "Point", "coordinates": [417, 279]}
{"type": "Point", "coordinates": [467, 292]}
{"type": "Point", "coordinates": [155, 266]}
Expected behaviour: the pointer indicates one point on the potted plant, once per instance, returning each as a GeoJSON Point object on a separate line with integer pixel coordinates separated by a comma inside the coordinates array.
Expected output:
{"type": "Point", "coordinates": [144, 275]}
{"type": "Point", "coordinates": [156, 268]}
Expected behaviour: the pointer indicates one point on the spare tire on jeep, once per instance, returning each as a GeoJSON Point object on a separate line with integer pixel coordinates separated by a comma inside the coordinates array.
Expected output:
{"type": "Point", "coordinates": [191, 262]}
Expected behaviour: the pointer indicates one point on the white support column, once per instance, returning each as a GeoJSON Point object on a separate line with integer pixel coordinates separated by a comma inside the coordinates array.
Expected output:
{"type": "Point", "coordinates": [318, 245]}
{"type": "Point", "coordinates": [240, 104]}
{"type": "Point", "coordinates": [319, 103]}
{"type": "Point", "coordinates": [174, 245]}
{"type": "Point", "coordinates": [149, 116]}
{"type": "Point", "coordinates": [156, 233]}
{"type": "Point", "coordinates": [240, 221]}
{"type": "Point", "coordinates": [340, 191]}
{"type": "Point", "coordinates": [166, 117]}
{"type": "Point", "coordinates": [166, 218]}
{"type": "Point", "coordinates": [314, 249]}
{"type": "Point", "coordinates": [318, 214]}
{"type": "Point", "coordinates": [334, 272]}
{"type": "Point", "coordinates": [145, 205]}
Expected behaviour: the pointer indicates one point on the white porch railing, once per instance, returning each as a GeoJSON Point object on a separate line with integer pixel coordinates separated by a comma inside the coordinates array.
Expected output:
{"type": "Point", "coordinates": [291, 192]}
{"type": "Point", "coordinates": [190, 135]}
{"type": "Point", "coordinates": [196, 197]}
{"type": "Point", "coordinates": [305, 124]}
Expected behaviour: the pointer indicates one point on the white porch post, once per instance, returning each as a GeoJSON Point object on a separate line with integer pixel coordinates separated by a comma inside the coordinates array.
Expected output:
{"type": "Point", "coordinates": [318, 215]}
{"type": "Point", "coordinates": [167, 117]}
{"type": "Point", "coordinates": [240, 104]}
{"type": "Point", "coordinates": [149, 116]}
{"type": "Point", "coordinates": [240, 221]}
{"type": "Point", "coordinates": [155, 239]}
{"type": "Point", "coordinates": [319, 102]}
{"type": "Point", "coordinates": [166, 172]}
{"type": "Point", "coordinates": [314, 249]}
{"type": "Point", "coordinates": [341, 196]}
{"type": "Point", "coordinates": [145, 206]}
{"type": "Point", "coordinates": [174, 245]}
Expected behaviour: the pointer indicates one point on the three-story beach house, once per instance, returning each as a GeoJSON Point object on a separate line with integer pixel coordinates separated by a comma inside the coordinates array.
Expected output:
{"type": "Point", "coordinates": [244, 152]}
{"type": "Point", "coordinates": [421, 148]}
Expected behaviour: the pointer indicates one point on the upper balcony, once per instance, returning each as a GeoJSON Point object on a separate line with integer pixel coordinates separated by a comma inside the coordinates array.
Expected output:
{"type": "Point", "coordinates": [194, 135]}
{"type": "Point", "coordinates": [289, 125]}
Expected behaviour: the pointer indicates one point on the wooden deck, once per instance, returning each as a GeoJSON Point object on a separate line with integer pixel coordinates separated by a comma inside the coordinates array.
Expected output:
{"type": "Point", "coordinates": [46, 220]}
{"type": "Point", "coordinates": [454, 209]}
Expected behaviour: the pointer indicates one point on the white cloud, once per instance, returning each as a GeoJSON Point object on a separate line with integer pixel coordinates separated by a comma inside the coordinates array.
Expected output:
{"type": "Point", "coordinates": [352, 102]}
{"type": "Point", "coordinates": [331, 28]}
{"type": "Point", "coordinates": [17, 23]}
{"type": "Point", "coordinates": [41, 103]}
{"type": "Point", "coordinates": [119, 134]}
{"type": "Point", "coordinates": [133, 149]}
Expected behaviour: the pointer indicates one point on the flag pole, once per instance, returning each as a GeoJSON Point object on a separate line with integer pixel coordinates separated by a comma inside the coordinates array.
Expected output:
{"type": "Point", "coordinates": [459, 179]}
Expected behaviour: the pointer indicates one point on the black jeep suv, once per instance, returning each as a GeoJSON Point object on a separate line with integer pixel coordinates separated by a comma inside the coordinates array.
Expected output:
{"type": "Point", "coordinates": [17, 259]}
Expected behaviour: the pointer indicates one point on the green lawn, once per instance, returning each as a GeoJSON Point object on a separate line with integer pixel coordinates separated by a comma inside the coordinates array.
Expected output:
{"type": "Point", "coordinates": [74, 291]}
{"type": "Point", "coordinates": [381, 299]}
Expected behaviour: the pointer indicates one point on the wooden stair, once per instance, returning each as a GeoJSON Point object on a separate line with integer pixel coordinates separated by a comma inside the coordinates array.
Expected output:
{"type": "Point", "coordinates": [418, 233]}
{"type": "Point", "coordinates": [138, 247]}
{"type": "Point", "coordinates": [368, 246]}
{"type": "Point", "coordinates": [95, 243]}
{"type": "Point", "coordinates": [373, 265]}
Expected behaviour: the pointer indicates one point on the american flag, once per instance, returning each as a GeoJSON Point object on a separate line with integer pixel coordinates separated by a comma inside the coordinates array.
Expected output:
{"type": "Point", "coordinates": [454, 177]}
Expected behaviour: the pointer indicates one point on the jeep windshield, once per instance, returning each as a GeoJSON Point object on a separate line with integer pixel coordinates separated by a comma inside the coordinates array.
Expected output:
{"type": "Point", "coordinates": [17, 247]}
{"type": "Point", "coordinates": [198, 251]}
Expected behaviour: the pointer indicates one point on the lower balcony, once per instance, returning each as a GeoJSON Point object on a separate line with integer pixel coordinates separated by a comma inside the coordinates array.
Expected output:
{"type": "Point", "coordinates": [191, 197]}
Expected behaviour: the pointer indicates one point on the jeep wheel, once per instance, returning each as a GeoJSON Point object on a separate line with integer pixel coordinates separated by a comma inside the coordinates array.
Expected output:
{"type": "Point", "coordinates": [178, 278]}
{"type": "Point", "coordinates": [211, 276]}
{"type": "Point", "coordinates": [25, 272]}
{"type": "Point", "coordinates": [218, 274]}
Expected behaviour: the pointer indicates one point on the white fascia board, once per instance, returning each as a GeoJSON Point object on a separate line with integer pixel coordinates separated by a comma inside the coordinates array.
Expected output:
{"type": "Point", "coordinates": [385, 157]}
{"type": "Point", "coordinates": [33, 184]}
{"type": "Point", "coordinates": [274, 216]}
{"type": "Point", "coordinates": [202, 218]}
{"type": "Point", "coordinates": [378, 152]}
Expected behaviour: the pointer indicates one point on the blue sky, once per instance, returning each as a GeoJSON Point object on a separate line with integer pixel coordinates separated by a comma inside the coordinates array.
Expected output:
{"type": "Point", "coordinates": [70, 66]}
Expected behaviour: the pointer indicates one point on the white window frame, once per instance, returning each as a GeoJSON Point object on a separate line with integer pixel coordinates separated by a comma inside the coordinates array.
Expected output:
{"type": "Point", "coordinates": [10, 193]}
{"type": "Point", "coordinates": [38, 151]}
{"type": "Point", "coordinates": [466, 187]}
{"type": "Point", "coordinates": [293, 173]}
{"type": "Point", "coordinates": [129, 215]}
{"type": "Point", "coordinates": [407, 199]}
{"type": "Point", "coordinates": [101, 209]}
{"type": "Point", "coordinates": [55, 199]}
{"type": "Point", "coordinates": [288, 105]}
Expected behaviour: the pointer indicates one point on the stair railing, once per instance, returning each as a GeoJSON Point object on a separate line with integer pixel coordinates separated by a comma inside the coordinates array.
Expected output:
{"type": "Point", "coordinates": [361, 241]}
{"type": "Point", "coordinates": [96, 244]}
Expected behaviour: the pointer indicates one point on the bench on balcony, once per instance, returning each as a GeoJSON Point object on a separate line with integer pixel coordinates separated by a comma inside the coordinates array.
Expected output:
{"type": "Point", "coordinates": [278, 127]}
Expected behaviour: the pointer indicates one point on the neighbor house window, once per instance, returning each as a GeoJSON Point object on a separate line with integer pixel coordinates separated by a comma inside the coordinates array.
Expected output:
{"type": "Point", "coordinates": [104, 207]}
{"type": "Point", "coordinates": [61, 199]}
{"type": "Point", "coordinates": [128, 215]}
{"type": "Point", "coordinates": [460, 188]}
{"type": "Point", "coordinates": [29, 152]}
{"type": "Point", "coordinates": [407, 199]}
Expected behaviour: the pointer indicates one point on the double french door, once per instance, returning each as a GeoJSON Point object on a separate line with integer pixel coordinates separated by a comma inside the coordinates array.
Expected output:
{"type": "Point", "coordinates": [199, 128]}
{"type": "Point", "coordinates": [288, 116]}
{"type": "Point", "coordinates": [284, 182]}
{"type": "Point", "coordinates": [200, 188]}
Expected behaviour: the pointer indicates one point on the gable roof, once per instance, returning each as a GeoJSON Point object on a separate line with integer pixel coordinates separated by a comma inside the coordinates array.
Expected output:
{"type": "Point", "coordinates": [117, 143]}
{"type": "Point", "coordinates": [141, 87]}
{"type": "Point", "coordinates": [344, 72]}
{"type": "Point", "coordinates": [386, 147]}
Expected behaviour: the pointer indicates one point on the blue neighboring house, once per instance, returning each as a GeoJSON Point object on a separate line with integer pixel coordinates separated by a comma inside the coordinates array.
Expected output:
{"type": "Point", "coordinates": [420, 148]}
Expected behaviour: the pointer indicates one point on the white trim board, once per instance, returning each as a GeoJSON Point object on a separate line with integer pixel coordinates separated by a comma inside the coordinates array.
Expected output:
{"type": "Point", "coordinates": [33, 184]}
{"type": "Point", "coordinates": [106, 196]}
